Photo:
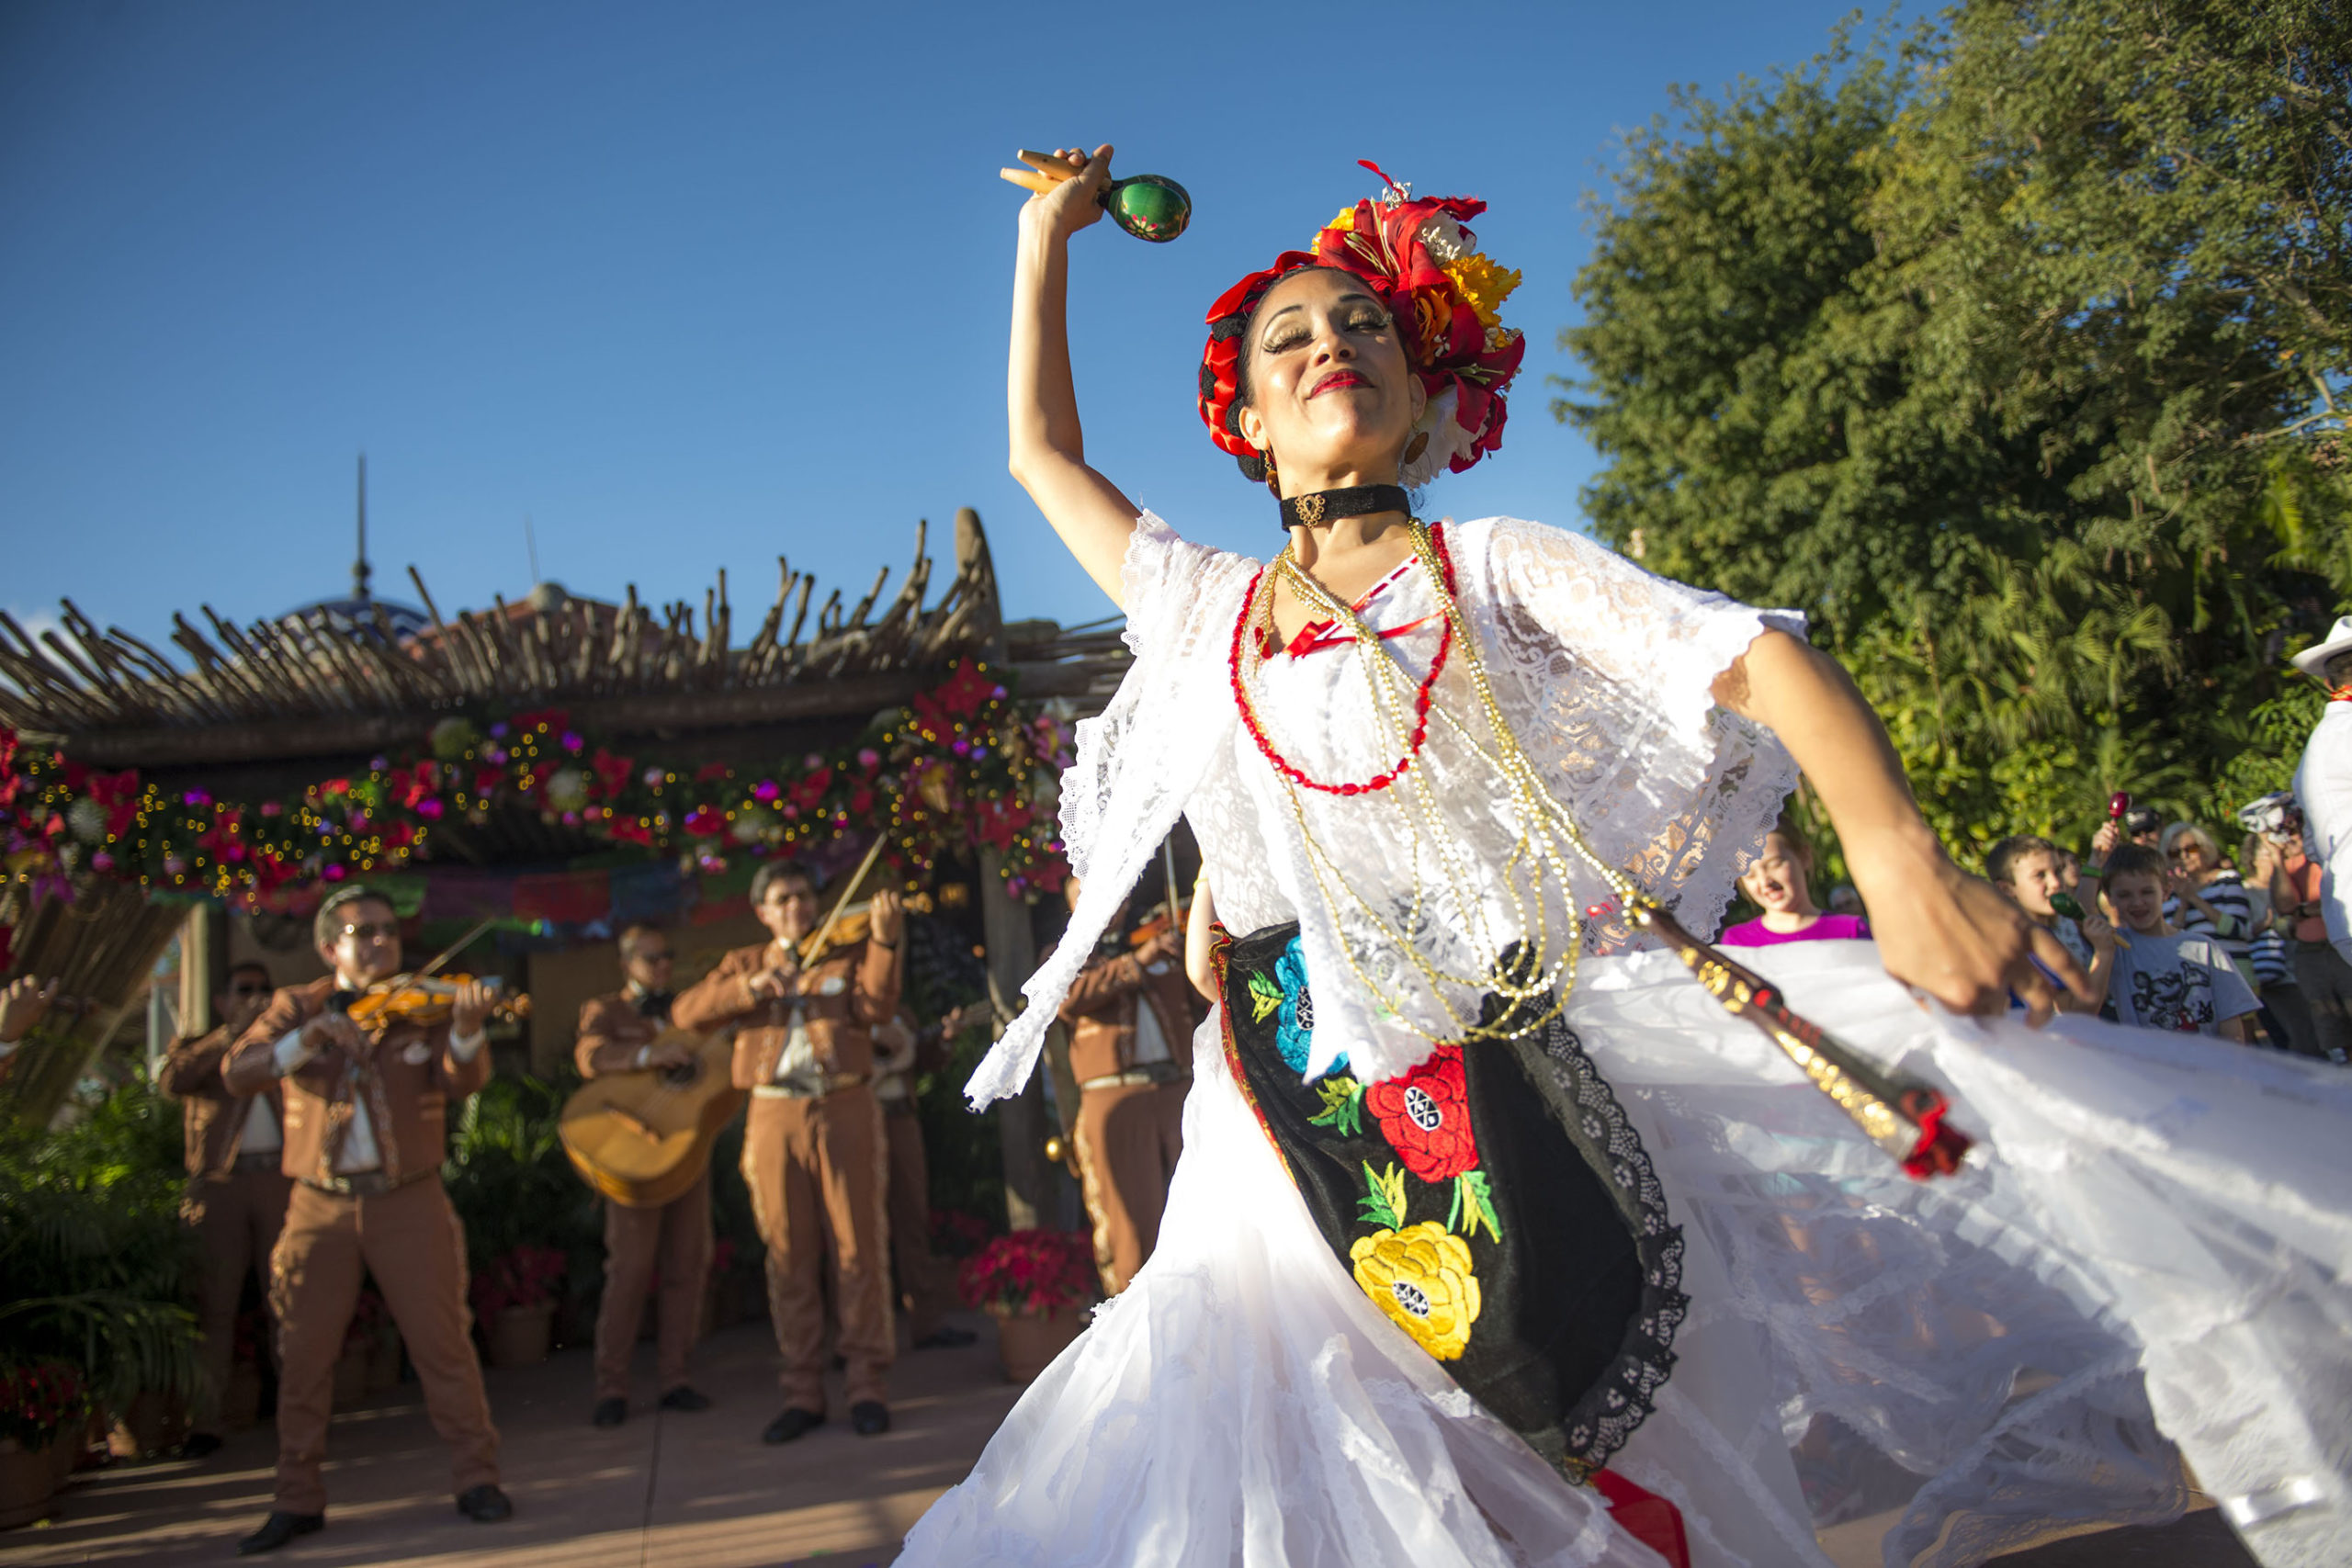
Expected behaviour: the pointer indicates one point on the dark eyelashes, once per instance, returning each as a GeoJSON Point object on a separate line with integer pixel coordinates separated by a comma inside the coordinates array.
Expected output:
{"type": "Point", "coordinates": [1290, 340]}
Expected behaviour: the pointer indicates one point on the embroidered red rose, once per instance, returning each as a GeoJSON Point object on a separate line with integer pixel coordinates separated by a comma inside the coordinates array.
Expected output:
{"type": "Point", "coordinates": [1425, 1116]}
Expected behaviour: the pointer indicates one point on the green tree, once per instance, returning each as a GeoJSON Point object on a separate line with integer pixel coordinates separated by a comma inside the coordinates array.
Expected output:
{"type": "Point", "coordinates": [2013, 350]}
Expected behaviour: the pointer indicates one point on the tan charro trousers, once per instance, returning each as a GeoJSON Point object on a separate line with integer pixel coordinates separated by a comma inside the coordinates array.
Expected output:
{"type": "Point", "coordinates": [675, 1241]}
{"type": "Point", "coordinates": [411, 1241]}
{"type": "Point", "coordinates": [816, 1170]}
{"type": "Point", "coordinates": [1128, 1138]}
{"type": "Point", "coordinates": [924, 1283]}
{"type": "Point", "coordinates": [237, 1217]}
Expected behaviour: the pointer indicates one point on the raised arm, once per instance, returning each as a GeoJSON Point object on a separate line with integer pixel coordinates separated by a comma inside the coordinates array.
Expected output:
{"type": "Point", "coordinates": [1047, 448]}
{"type": "Point", "coordinates": [1940, 929]}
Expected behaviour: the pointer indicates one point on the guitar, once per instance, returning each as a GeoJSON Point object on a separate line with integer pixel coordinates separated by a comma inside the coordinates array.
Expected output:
{"type": "Point", "coordinates": [642, 1138]}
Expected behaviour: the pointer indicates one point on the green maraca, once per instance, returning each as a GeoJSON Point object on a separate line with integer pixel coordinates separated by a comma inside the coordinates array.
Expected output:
{"type": "Point", "coordinates": [1149, 207]}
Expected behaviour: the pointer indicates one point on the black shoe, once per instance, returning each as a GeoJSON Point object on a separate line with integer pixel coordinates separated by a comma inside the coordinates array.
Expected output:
{"type": "Point", "coordinates": [947, 1336]}
{"type": "Point", "coordinates": [609, 1412]}
{"type": "Point", "coordinates": [277, 1529]}
{"type": "Point", "coordinates": [685, 1396]}
{"type": "Point", "coordinates": [869, 1418]}
{"type": "Point", "coordinates": [794, 1423]}
{"type": "Point", "coordinates": [485, 1504]}
{"type": "Point", "coordinates": [198, 1445]}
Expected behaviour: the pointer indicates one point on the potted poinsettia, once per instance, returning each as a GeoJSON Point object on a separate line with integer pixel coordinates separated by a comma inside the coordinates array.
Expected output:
{"type": "Point", "coordinates": [43, 1404]}
{"type": "Point", "coordinates": [1037, 1285]}
{"type": "Point", "coordinates": [514, 1301]}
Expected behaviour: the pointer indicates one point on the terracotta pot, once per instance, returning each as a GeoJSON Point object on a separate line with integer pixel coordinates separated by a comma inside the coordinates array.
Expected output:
{"type": "Point", "coordinates": [519, 1336]}
{"type": "Point", "coordinates": [69, 1451]}
{"type": "Point", "coordinates": [153, 1423]}
{"type": "Point", "coordinates": [241, 1401]}
{"type": "Point", "coordinates": [351, 1377]}
{"type": "Point", "coordinates": [1027, 1342]}
{"type": "Point", "coordinates": [384, 1362]}
{"type": "Point", "coordinates": [28, 1479]}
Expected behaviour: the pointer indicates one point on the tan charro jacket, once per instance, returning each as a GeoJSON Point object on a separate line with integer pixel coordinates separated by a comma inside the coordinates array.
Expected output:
{"type": "Point", "coordinates": [1100, 1012]}
{"type": "Point", "coordinates": [211, 1118]}
{"type": "Point", "coordinates": [408, 1080]}
{"type": "Point", "coordinates": [611, 1031]}
{"type": "Point", "coordinates": [842, 997]}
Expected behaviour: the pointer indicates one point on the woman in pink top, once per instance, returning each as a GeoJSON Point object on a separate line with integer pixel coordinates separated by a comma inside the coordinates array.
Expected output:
{"type": "Point", "coordinates": [1777, 884]}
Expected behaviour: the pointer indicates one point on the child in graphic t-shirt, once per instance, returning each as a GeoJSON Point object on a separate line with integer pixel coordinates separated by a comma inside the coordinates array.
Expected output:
{"type": "Point", "coordinates": [1778, 884]}
{"type": "Point", "coordinates": [2164, 980]}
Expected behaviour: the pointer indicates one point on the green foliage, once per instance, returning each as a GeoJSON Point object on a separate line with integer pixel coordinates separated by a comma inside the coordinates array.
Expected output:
{"type": "Point", "coordinates": [2013, 351]}
{"type": "Point", "coordinates": [95, 1266]}
{"type": "Point", "coordinates": [962, 1151]}
{"type": "Point", "coordinates": [513, 1185]}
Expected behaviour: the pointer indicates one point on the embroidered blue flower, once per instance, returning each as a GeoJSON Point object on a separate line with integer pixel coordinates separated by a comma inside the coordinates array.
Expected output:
{"type": "Point", "coordinates": [1296, 1020]}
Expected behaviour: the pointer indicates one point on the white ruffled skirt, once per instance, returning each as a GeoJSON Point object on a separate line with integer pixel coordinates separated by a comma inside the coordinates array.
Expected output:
{"type": "Point", "coordinates": [2153, 1236]}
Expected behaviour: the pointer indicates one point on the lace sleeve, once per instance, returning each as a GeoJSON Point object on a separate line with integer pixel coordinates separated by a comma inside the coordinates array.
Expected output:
{"type": "Point", "coordinates": [1617, 667]}
{"type": "Point", "coordinates": [1138, 763]}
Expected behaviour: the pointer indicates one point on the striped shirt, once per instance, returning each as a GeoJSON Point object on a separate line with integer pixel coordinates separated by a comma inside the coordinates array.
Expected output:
{"type": "Point", "coordinates": [2226, 894]}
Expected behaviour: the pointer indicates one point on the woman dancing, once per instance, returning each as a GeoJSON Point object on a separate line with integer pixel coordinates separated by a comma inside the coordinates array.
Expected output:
{"type": "Point", "coordinates": [1496, 1240]}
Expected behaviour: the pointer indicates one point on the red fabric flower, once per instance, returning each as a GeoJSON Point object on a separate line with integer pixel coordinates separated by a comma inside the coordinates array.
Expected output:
{"type": "Point", "coordinates": [612, 772]}
{"type": "Point", "coordinates": [705, 822]}
{"type": "Point", "coordinates": [1425, 1116]}
{"type": "Point", "coordinates": [965, 690]}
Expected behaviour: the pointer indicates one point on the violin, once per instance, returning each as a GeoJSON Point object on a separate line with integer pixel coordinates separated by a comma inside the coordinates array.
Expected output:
{"type": "Point", "coordinates": [425, 1000]}
{"type": "Point", "coordinates": [852, 924]}
{"type": "Point", "coordinates": [1157, 926]}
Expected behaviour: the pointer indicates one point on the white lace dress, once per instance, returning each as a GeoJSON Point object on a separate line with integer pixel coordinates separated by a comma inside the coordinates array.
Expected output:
{"type": "Point", "coordinates": [2151, 1237]}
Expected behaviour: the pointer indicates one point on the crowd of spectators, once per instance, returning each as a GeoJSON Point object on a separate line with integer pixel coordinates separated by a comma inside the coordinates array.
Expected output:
{"type": "Point", "coordinates": [2174, 932]}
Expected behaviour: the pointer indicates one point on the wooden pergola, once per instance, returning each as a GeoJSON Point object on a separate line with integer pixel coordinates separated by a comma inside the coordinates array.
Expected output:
{"type": "Point", "coordinates": [270, 705]}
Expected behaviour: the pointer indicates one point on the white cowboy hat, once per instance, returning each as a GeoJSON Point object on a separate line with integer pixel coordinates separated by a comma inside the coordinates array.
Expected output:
{"type": "Point", "coordinates": [2312, 661]}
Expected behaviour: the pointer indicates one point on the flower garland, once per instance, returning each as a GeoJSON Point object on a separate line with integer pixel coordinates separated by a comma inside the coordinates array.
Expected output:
{"type": "Point", "coordinates": [958, 767]}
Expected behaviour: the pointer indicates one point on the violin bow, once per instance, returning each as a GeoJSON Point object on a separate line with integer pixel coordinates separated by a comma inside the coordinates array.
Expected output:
{"type": "Point", "coordinates": [815, 943]}
{"type": "Point", "coordinates": [443, 957]}
{"type": "Point", "coordinates": [1168, 868]}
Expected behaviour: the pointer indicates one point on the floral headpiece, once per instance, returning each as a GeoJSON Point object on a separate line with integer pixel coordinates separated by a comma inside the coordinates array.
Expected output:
{"type": "Point", "coordinates": [1426, 267]}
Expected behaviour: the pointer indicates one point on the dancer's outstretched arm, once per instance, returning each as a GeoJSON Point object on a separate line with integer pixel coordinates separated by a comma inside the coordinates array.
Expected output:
{"type": "Point", "coordinates": [1048, 449]}
{"type": "Point", "coordinates": [1938, 928]}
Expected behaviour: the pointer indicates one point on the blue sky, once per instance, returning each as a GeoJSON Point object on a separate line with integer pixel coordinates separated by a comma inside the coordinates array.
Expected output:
{"type": "Point", "coordinates": [693, 286]}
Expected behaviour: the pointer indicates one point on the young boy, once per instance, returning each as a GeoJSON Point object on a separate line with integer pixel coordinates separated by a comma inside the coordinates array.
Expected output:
{"type": "Point", "coordinates": [2031, 871]}
{"type": "Point", "coordinates": [2162, 979]}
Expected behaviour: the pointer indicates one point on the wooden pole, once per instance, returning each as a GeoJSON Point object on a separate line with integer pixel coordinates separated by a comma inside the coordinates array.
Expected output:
{"type": "Point", "coordinates": [202, 953]}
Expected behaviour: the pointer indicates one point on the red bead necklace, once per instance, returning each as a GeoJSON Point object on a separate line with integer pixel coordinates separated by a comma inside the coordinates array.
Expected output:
{"type": "Point", "coordinates": [1422, 699]}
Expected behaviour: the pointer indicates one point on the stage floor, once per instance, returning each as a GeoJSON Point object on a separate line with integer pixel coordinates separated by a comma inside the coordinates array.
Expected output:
{"type": "Point", "coordinates": [684, 1491]}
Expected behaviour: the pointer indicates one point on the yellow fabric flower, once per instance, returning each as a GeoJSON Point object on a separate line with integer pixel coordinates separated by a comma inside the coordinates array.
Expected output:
{"type": "Point", "coordinates": [1345, 221]}
{"type": "Point", "coordinates": [1484, 284]}
{"type": "Point", "coordinates": [1421, 1276]}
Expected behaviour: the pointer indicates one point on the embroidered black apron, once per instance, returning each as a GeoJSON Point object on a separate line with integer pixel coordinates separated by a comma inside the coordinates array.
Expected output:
{"type": "Point", "coordinates": [1494, 1201]}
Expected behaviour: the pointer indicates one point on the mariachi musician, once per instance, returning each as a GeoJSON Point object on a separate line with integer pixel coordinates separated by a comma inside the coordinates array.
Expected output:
{"type": "Point", "coordinates": [237, 1190]}
{"type": "Point", "coordinates": [366, 1109]}
{"type": "Point", "coordinates": [813, 1141]}
{"type": "Point", "coordinates": [622, 1033]}
{"type": "Point", "coordinates": [1130, 1014]}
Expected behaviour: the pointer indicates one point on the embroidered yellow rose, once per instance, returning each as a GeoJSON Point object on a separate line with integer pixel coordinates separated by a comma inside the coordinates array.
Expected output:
{"type": "Point", "coordinates": [1421, 1276]}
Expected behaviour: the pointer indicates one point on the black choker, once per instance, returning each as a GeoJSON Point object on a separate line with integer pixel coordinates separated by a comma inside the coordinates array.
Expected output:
{"type": "Point", "coordinates": [1330, 505]}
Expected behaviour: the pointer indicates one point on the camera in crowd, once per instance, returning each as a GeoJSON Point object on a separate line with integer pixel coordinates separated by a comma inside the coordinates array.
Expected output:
{"type": "Point", "coordinates": [2275, 816]}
